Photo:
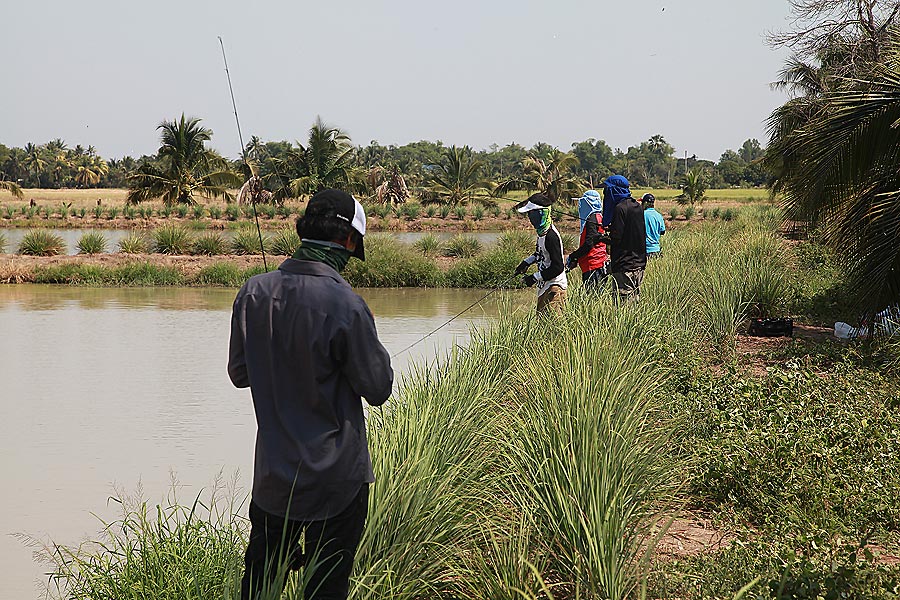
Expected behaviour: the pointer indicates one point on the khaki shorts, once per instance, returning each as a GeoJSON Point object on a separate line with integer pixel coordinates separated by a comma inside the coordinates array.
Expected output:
{"type": "Point", "coordinates": [554, 298]}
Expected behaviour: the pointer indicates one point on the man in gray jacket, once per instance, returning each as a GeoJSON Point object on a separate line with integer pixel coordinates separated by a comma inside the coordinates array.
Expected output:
{"type": "Point", "coordinates": [306, 346]}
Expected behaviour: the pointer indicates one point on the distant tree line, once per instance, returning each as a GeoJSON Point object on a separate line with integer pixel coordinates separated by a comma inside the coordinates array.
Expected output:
{"type": "Point", "coordinates": [291, 169]}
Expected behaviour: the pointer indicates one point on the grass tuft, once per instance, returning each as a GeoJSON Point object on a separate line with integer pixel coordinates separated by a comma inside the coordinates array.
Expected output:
{"type": "Point", "coordinates": [91, 243]}
{"type": "Point", "coordinates": [41, 243]}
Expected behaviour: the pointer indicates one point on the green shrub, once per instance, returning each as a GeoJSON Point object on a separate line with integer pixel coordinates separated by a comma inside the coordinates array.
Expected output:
{"type": "Point", "coordinates": [221, 273]}
{"type": "Point", "coordinates": [428, 244]}
{"type": "Point", "coordinates": [197, 211]}
{"type": "Point", "coordinates": [411, 211]}
{"type": "Point", "coordinates": [129, 212]}
{"type": "Point", "coordinates": [64, 211]}
{"type": "Point", "coordinates": [430, 211]}
{"type": "Point", "coordinates": [246, 241]}
{"type": "Point", "coordinates": [729, 214]}
{"type": "Point", "coordinates": [165, 211]}
{"type": "Point", "coordinates": [8, 212]}
{"type": "Point", "coordinates": [391, 264]}
{"type": "Point", "coordinates": [518, 240]}
{"type": "Point", "coordinates": [674, 213]}
{"type": "Point", "coordinates": [215, 212]}
{"type": "Point", "coordinates": [285, 242]}
{"type": "Point", "coordinates": [171, 239]}
{"type": "Point", "coordinates": [232, 212]}
{"type": "Point", "coordinates": [689, 212]}
{"type": "Point", "coordinates": [210, 244]}
{"type": "Point", "coordinates": [136, 273]}
{"type": "Point", "coordinates": [266, 210]}
{"type": "Point", "coordinates": [495, 211]}
{"type": "Point", "coordinates": [445, 211]}
{"type": "Point", "coordinates": [91, 243]}
{"type": "Point", "coordinates": [133, 243]}
{"type": "Point", "coordinates": [460, 212]}
{"type": "Point", "coordinates": [112, 212]}
{"type": "Point", "coordinates": [477, 213]}
{"type": "Point", "coordinates": [41, 243]}
{"type": "Point", "coordinates": [714, 213]}
{"type": "Point", "coordinates": [461, 246]}
{"type": "Point", "coordinates": [82, 212]}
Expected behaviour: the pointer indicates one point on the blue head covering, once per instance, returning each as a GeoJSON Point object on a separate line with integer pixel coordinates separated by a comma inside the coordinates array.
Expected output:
{"type": "Point", "coordinates": [589, 203]}
{"type": "Point", "coordinates": [615, 189]}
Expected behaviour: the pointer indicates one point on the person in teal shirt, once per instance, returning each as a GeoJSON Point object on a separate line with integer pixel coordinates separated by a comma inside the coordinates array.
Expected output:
{"type": "Point", "coordinates": [654, 224]}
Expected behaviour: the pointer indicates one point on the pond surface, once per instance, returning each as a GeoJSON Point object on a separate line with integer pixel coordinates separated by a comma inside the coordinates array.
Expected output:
{"type": "Point", "coordinates": [107, 388]}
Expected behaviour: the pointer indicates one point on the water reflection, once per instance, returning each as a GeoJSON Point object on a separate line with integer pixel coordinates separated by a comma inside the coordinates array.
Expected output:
{"type": "Point", "coordinates": [116, 386]}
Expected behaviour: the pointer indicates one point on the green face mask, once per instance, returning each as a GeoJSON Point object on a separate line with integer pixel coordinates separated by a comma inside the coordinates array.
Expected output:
{"type": "Point", "coordinates": [336, 258]}
{"type": "Point", "coordinates": [540, 220]}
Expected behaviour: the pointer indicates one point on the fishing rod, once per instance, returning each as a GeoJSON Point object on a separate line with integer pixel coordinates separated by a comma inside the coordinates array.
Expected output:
{"type": "Point", "coordinates": [262, 247]}
{"type": "Point", "coordinates": [496, 289]}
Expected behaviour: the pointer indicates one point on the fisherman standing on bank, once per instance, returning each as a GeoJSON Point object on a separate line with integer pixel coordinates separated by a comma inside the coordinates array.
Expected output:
{"type": "Point", "coordinates": [551, 275]}
{"type": "Point", "coordinates": [591, 255]}
{"type": "Point", "coordinates": [306, 346]}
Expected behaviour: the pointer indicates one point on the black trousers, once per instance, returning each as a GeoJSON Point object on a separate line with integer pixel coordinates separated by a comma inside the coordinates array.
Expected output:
{"type": "Point", "coordinates": [330, 547]}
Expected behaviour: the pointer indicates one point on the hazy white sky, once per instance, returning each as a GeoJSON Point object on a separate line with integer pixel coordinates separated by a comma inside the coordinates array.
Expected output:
{"type": "Point", "coordinates": [106, 72]}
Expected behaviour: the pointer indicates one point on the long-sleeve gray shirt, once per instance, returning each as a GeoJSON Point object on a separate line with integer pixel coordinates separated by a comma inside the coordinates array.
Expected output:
{"type": "Point", "coordinates": [305, 343]}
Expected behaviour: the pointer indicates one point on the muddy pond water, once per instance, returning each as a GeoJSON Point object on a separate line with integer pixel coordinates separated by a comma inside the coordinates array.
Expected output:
{"type": "Point", "coordinates": [105, 388]}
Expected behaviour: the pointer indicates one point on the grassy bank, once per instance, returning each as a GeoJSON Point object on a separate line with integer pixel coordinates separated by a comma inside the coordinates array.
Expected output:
{"type": "Point", "coordinates": [545, 459]}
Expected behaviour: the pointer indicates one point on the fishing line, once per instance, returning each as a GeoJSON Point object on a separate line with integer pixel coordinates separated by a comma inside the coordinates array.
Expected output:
{"type": "Point", "coordinates": [262, 247]}
{"type": "Point", "coordinates": [456, 316]}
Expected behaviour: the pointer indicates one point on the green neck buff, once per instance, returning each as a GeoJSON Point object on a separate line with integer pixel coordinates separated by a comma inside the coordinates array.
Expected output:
{"type": "Point", "coordinates": [541, 220]}
{"type": "Point", "coordinates": [329, 253]}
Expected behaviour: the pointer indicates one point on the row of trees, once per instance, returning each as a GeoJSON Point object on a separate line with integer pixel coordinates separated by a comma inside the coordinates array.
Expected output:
{"type": "Point", "coordinates": [280, 163]}
{"type": "Point", "coordinates": [184, 168]}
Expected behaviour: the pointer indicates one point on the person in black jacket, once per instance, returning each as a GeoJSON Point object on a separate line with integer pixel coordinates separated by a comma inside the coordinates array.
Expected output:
{"type": "Point", "coordinates": [305, 344]}
{"type": "Point", "coordinates": [628, 243]}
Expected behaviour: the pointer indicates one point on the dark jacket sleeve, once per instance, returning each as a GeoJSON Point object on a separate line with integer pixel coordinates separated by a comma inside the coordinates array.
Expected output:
{"type": "Point", "coordinates": [368, 364]}
{"type": "Point", "coordinates": [554, 249]}
{"type": "Point", "coordinates": [592, 237]}
{"type": "Point", "coordinates": [237, 364]}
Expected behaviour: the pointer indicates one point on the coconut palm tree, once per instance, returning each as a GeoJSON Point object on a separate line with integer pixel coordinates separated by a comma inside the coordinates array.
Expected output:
{"type": "Point", "coordinates": [695, 183]}
{"type": "Point", "coordinates": [388, 185]}
{"type": "Point", "coordinates": [187, 167]}
{"type": "Point", "coordinates": [552, 175]}
{"type": "Point", "coordinates": [458, 178]}
{"type": "Point", "coordinates": [90, 169]}
{"type": "Point", "coordinates": [836, 170]}
{"type": "Point", "coordinates": [325, 161]}
{"type": "Point", "coordinates": [34, 160]}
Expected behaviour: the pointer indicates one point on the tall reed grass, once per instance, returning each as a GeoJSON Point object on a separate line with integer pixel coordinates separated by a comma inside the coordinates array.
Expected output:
{"type": "Point", "coordinates": [41, 243]}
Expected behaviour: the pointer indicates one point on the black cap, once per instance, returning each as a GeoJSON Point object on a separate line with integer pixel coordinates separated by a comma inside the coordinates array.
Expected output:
{"type": "Point", "coordinates": [343, 206]}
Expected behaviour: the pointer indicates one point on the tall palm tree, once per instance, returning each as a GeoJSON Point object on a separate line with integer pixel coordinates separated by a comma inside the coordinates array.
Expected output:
{"type": "Point", "coordinates": [187, 167]}
{"type": "Point", "coordinates": [836, 169]}
{"type": "Point", "coordinates": [34, 160]}
{"type": "Point", "coordinates": [90, 169]}
{"type": "Point", "coordinates": [325, 161]}
{"type": "Point", "coordinates": [552, 175]}
{"type": "Point", "coordinates": [458, 178]}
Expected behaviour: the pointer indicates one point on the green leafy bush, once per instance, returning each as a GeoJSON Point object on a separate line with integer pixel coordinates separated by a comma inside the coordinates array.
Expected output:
{"type": "Point", "coordinates": [41, 243]}
{"type": "Point", "coordinates": [428, 244]}
{"type": "Point", "coordinates": [171, 239]}
{"type": "Point", "coordinates": [134, 243]}
{"type": "Point", "coordinates": [232, 212]}
{"type": "Point", "coordinates": [91, 243]}
{"type": "Point", "coordinates": [285, 242]}
{"type": "Point", "coordinates": [246, 241]}
{"type": "Point", "coordinates": [210, 244]}
{"type": "Point", "coordinates": [197, 211]}
{"type": "Point", "coordinates": [461, 246]}
{"type": "Point", "coordinates": [391, 264]}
